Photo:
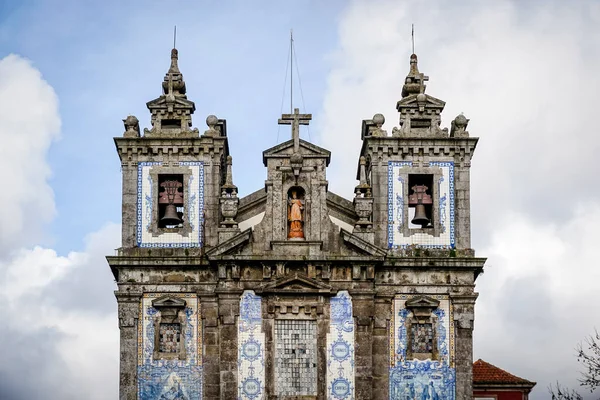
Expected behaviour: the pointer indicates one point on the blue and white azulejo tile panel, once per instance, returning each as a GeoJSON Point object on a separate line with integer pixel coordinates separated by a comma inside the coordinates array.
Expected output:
{"type": "Point", "coordinates": [340, 349]}
{"type": "Point", "coordinates": [422, 379]}
{"type": "Point", "coordinates": [194, 208]}
{"type": "Point", "coordinates": [397, 211]}
{"type": "Point", "coordinates": [251, 348]}
{"type": "Point", "coordinates": [174, 378]}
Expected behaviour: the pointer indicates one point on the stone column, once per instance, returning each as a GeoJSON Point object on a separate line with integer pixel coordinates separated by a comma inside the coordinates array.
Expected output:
{"type": "Point", "coordinates": [128, 311]}
{"type": "Point", "coordinates": [363, 308]}
{"type": "Point", "coordinates": [381, 347]}
{"type": "Point", "coordinates": [210, 359]}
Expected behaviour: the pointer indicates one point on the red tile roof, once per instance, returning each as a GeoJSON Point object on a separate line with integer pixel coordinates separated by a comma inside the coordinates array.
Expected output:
{"type": "Point", "coordinates": [485, 373]}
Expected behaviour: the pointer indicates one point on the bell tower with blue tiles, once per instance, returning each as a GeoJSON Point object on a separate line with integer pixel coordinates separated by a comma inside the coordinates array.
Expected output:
{"type": "Point", "coordinates": [421, 215]}
{"type": "Point", "coordinates": [292, 291]}
{"type": "Point", "coordinates": [172, 185]}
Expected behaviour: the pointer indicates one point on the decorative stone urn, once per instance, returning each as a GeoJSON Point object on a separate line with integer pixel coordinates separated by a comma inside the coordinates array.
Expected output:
{"type": "Point", "coordinates": [229, 209]}
{"type": "Point", "coordinates": [363, 206]}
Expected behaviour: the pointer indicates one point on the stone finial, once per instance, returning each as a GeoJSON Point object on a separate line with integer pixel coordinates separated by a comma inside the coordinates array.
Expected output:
{"type": "Point", "coordinates": [132, 127]}
{"type": "Point", "coordinates": [229, 200]}
{"type": "Point", "coordinates": [363, 188]}
{"type": "Point", "coordinates": [172, 111]}
{"type": "Point", "coordinates": [229, 187]}
{"type": "Point", "coordinates": [378, 120]}
{"type": "Point", "coordinates": [212, 122]}
{"type": "Point", "coordinates": [420, 113]}
{"type": "Point", "coordinates": [173, 82]}
{"type": "Point", "coordinates": [415, 80]}
{"type": "Point", "coordinates": [363, 200]}
{"type": "Point", "coordinates": [459, 126]}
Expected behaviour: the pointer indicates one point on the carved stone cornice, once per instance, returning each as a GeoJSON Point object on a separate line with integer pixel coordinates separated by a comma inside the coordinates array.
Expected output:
{"type": "Point", "coordinates": [450, 147]}
{"type": "Point", "coordinates": [139, 147]}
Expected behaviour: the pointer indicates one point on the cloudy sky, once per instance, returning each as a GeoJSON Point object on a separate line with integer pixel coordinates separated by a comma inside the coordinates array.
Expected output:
{"type": "Point", "coordinates": [525, 73]}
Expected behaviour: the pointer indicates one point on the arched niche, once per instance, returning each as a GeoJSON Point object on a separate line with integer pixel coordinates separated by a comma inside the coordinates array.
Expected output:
{"type": "Point", "coordinates": [296, 213]}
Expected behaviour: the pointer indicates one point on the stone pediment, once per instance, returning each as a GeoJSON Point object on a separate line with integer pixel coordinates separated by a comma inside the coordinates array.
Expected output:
{"type": "Point", "coordinates": [179, 102]}
{"type": "Point", "coordinates": [295, 284]}
{"type": "Point", "coordinates": [234, 243]}
{"type": "Point", "coordinates": [430, 102]}
{"type": "Point", "coordinates": [286, 149]}
{"type": "Point", "coordinates": [422, 307]}
{"type": "Point", "coordinates": [422, 302]}
{"type": "Point", "coordinates": [168, 302]}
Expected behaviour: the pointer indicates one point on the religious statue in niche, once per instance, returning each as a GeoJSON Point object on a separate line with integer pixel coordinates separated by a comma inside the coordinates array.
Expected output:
{"type": "Point", "coordinates": [295, 211]}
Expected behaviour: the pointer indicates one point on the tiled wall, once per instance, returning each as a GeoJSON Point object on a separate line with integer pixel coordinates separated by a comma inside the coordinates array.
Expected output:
{"type": "Point", "coordinates": [251, 348]}
{"type": "Point", "coordinates": [397, 209]}
{"type": "Point", "coordinates": [194, 209]}
{"type": "Point", "coordinates": [422, 379]}
{"type": "Point", "coordinates": [340, 349]}
{"type": "Point", "coordinates": [167, 379]}
{"type": "Point", "coordinates": [295, 357]}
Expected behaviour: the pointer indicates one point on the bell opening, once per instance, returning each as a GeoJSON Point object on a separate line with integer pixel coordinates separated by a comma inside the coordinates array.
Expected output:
{"type": "Point", "coordinates": [420, 201]}
{"type": "Point", "coordinates": [170, 201]}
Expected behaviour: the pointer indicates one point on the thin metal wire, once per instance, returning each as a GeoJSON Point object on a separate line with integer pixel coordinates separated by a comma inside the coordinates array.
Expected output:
{"type": "Point", "coordinates": [283, 94]}
{"type": "Point", "coordinates": [301, 92]}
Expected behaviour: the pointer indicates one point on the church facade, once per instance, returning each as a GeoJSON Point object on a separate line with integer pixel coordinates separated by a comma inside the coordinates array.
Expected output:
{"type": "Point", "coordinates": [294, 292]}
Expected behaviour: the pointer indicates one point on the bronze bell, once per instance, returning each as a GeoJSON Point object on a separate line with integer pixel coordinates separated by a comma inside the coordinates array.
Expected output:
{"type": "Point", "coordinates": [171, 217]}
{"type": "Point", "coordinates": [420, 216]}
{"type": "Point", "coordinates": [418, 199]}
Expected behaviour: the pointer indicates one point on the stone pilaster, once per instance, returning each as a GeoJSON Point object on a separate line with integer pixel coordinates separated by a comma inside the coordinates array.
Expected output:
{"type": "Point", "coordinates": [129, 204]}
{"type": "Point", "coordinates": [323, 324]}
{"type": "Point", "coordinates": [229, 311]}
{"type": "Point", "coordinates": [128, 311]}
{"type": "Point", "coordinates": [210, 361]}
{"type": "Point", "coordinates": [463, 323]}
{"type": "Point", "coordinates": [381, 347]}
{"type": "Point", "coordinates": [363, 307]}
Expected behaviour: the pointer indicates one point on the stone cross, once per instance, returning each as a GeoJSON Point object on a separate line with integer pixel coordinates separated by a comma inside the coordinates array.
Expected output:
{"type": "Point", "coordinates": [296, 119]}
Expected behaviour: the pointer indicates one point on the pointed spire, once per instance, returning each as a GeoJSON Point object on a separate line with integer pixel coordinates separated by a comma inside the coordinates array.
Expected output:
{"type": "Point", "coordinates": [229, 203]}
{"type": "Point", "coordinates": [172, 111]}
{"type": "Point", "coordinates": [419, 112]}
{"type": "Point", "coordinates": [174, 68]}
{"type": "Point", "coordinates": [363, 188]}
{"type": "Point", "coordinates": [229, 188]}
{"type": "Point", "coordinates": [415, 80]}
{"type": "Point", "coordinates": [173, 83]}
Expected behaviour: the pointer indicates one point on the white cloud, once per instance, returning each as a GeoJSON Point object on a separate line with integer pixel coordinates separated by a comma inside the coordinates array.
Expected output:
{"type": "Point", "coordinates": [29, 121]}
{"type": "Point", "coordinates": [537, 296]}
{"type": "Point", "coordinates": [526, 75]}
{"type": "Point", "coordinates": [60, 334]}
{"type": "Point", "coordinates": [78, 346]}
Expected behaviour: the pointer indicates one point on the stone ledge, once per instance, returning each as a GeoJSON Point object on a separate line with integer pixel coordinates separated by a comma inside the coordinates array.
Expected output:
{"type": "Point", "coordinates": [156, 145]}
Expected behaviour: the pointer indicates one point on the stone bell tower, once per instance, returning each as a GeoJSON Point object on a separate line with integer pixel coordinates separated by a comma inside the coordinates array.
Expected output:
{"type": "Point", "coordinates": [173, 181]}
{"type": "Point", "coordinates": [421, 214]}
